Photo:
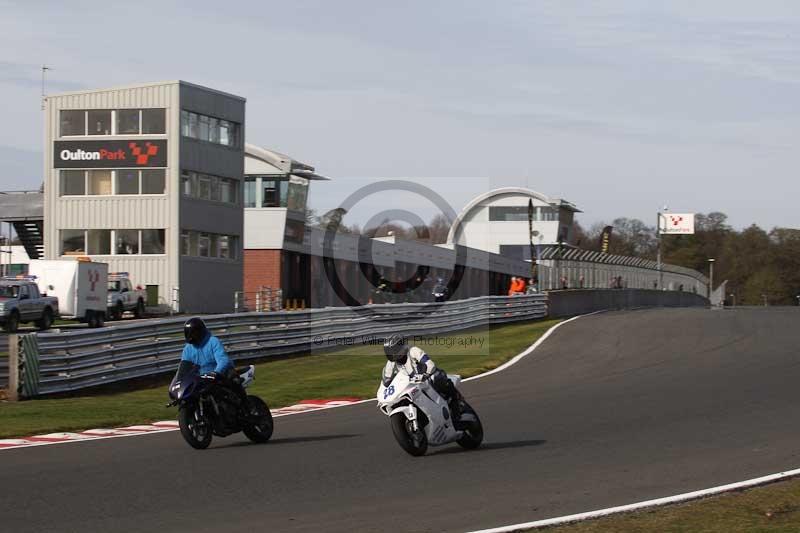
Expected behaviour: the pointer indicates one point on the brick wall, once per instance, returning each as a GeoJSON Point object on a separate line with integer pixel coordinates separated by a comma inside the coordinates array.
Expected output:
{"type": "Point", "coordinates": [262, 268]}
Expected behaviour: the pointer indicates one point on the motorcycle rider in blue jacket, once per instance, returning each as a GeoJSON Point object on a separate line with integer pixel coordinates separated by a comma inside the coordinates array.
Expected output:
{"type": "Point", "coordinates": [206, 351]}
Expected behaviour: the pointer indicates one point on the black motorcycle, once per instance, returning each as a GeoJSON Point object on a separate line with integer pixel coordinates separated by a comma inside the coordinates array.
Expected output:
{"type": "Point", "coordinates": [207, 407]}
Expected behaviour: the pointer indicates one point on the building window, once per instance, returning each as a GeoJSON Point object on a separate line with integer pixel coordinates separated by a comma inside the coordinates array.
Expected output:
{"type": "Point", "coordinates": [214, 130]}
{"type": "Point", "coordinates": [215, 189]}
{"type": "Point", "coordinates": [211, 245]}
{"type": "Point", "coordinates": [508, 213]}
{"type": "Point", "coordinates": [193, 126]}
{"type": "Point", "coordinates": [118, 242]}
{"type": "Point", "coordinates": [269, 194]}
{"type": "Point", "coordinates": [227, 190]}
{"type": "Point", "coordinates": [548, 214]}
{"type": "Point", "coordinates": [209, 129]}
{"type": "Point", "coordinates": [113, 122]}
{"type": "Point", "coordinates": [154, 181]}
{"type": "Point", "coordinates": [206, 187]}
{"type": "Point", "coordinates": [99, 182]}
{"type": "Point", "coordinates": [226, 133]}
{"type": "Point", "coordinates": [127, 181]}
{"type": "Point", "coordinates": [205, 126]}
{"type": "Point", "coordinates": [203, 244]}
{"type": "Point", "coordinates": [249, 192]}
{"type": "Point", "coordinates": [127, 242]}
{"type": "Point", "coordinates": [154, 121]}
{"type": "Point", "coordinates": [152, 241]}
{"type": "Point", "coordinates": [185, 249]}
{"type": "Point", "coordinates": [98, 241]}
{"type": "Point", "coordinates": [224, 247]}
{"type": "Point", "coordinates": [73, 242]}
{"type": "Point", "coordinates": [99, 121]}
{"type": "Point", "coordinates": [73, 122]}
{"type": "Point", "coordinates": [127, 121]}
{"type": "Point", "coordinates": [298, 191]}
{"type": "Point", "coordinates": [73, 183]}
{"type": "Point", "coordinates": [185, 123]}
{"type": "Point", "coordinates": [203, 186]}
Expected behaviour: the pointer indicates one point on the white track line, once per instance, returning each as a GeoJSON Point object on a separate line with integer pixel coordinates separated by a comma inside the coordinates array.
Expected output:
{"type": "Point", "coordinates": [680, 498]}
{"type": "Point", "coordinates": [527, 352]}
{"type": "Point", "coordinates": [162, 427]}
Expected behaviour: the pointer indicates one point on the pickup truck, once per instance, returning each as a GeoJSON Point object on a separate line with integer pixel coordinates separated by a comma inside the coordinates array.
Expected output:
{"type": "Point", "coordinates": [20, 301]}
{"type": "Point", "coordinates": [123, 297]}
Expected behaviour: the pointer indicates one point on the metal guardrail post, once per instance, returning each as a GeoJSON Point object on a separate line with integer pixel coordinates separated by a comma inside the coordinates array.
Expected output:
{"type": "Point", "coordinates": [13, 368]}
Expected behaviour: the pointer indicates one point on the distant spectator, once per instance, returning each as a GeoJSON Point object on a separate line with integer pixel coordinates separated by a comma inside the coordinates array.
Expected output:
{"type": "Point", "coordinates": [581, 281]}
{"type": "Point", "coordinates": [532, 287]}
{"type": "Point", "coordinates": [512, 285]}
{"type": "Point", "coordinates": [517, 286]}
{"type": "Point", "coordinates": [564, 283]}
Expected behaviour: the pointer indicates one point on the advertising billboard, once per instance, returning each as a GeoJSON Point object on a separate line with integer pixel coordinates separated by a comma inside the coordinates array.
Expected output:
{"type": "Point", "coordinates": [676, 223]}
{"type": "Point", "coordinates": [110, 154]}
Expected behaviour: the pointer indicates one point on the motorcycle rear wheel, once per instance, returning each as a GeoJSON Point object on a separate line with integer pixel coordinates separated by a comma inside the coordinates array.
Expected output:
{"type": "Point", "coordinates": [401, 427]}
{"type": "Point", "coordinates": [262, 431]}
{"type": "Point", "coordinates": [197, 433]}
{"type": "Point", "coordinates": [473, 435]}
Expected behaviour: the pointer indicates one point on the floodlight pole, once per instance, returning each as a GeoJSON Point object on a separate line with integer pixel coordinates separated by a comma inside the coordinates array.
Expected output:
{"type": "Point", "coordinates": [658, 253]}
{"type": "Point", "coordinates": [530, 239]}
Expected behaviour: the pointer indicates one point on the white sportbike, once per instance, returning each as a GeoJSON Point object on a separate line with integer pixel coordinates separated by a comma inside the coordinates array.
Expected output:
{"type": "Point", "coordinates": [421, 417]}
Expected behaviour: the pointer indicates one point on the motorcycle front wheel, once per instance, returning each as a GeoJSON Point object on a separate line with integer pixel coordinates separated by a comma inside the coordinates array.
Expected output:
{"type": "Point", "coordinates": [415, 443]}
{"type": "Point", "coordinates": [195, 430]}
{"type": "Point", "coordinates": [260, 431]}
{"type": "Point", "coordinates": [473, 435]}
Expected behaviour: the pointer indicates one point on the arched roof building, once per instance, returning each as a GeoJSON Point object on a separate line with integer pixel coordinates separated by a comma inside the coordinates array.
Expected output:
{"type": "Point", "coordinates": [497, 222]}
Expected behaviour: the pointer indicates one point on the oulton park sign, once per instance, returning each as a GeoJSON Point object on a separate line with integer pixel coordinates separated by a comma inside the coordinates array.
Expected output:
{"type": "Point", "coordinates": [110, 154]}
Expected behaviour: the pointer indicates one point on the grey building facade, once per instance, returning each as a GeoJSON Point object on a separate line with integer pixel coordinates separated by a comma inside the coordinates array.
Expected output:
{"type": "Point", "coordinates": [148, 178]}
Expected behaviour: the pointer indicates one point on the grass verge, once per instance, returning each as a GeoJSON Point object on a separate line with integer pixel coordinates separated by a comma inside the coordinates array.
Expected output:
{"type": "Point", "coordinates": [772, 508]}
{"type": "Point", "coordinates": [352, 371]}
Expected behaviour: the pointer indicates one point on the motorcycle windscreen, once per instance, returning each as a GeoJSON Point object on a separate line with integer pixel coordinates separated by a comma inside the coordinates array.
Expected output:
{"type": "Point", "coordinates": [186, 371]}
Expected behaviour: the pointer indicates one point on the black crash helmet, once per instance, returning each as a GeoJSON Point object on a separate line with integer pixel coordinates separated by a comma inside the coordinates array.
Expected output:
{"type": "Point", "coordinates": [194, 331]}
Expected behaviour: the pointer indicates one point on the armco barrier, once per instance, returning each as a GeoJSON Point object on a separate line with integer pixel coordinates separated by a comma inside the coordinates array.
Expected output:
{"type": "Point", "coordinates": [579, 302]}
{"type": "Point", "coordinates": [79, 359]}
{"type": "Point", "coordinates": [3, 361]}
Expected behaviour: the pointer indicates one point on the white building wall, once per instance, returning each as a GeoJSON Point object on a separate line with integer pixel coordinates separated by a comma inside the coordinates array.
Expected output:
{"type": "Point", "coordinates": [264, 228]}
{"type": "Point", "coordinates": [119, 212]}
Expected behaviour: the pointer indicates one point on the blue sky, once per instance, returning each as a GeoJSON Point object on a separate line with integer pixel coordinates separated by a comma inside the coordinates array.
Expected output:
{"type": "Point", "coordinates": [617, 106]}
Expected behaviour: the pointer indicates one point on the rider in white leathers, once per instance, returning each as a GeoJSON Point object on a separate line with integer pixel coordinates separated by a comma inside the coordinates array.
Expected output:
{"type": "Point", "coordinates": [416, 362]}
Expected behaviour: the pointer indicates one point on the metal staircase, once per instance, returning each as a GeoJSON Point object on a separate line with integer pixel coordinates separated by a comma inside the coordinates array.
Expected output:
{"type": "Point", "coordinates": [31, 234]}
{"type": "Point", "coordinates": [25, 211]}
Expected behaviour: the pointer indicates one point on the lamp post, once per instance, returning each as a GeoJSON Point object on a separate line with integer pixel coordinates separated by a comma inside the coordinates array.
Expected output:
{"type": "Point", "coordinates": [710, 278]}
{"type": "Point", "coordinates": [659, 217]}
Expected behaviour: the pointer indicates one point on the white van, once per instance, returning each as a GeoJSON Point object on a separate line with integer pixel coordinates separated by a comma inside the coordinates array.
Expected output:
{"type": "Point", "coordinates": [81, 287]}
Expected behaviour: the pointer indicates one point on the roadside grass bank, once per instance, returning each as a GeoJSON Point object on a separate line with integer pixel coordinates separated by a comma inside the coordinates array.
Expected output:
{"type": "Point", "coordinates": [353, 371]}
{"type": "Point", "coordinates": [773, 508]}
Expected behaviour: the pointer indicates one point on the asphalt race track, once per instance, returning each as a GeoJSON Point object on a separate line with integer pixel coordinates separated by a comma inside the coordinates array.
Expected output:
{"type": "Point", "coordinates": [612, 409]}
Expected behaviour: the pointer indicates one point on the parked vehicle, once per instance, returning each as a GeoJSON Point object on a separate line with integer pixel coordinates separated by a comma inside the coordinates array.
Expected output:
{"type": "Point", "coordinates": [20, 301]}
{"type": "Point", "coordinates": [123, 297]}
{"type": "Point", "coordinates": [207, 408]}
{"type": "Point", "coordinates": [420, 416]}
{"type": "Point", "coordinates": [80, 286]}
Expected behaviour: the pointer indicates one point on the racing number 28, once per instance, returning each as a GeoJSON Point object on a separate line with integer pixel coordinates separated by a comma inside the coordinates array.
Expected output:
{"type": "Point", "coordinates": [388, 391]}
